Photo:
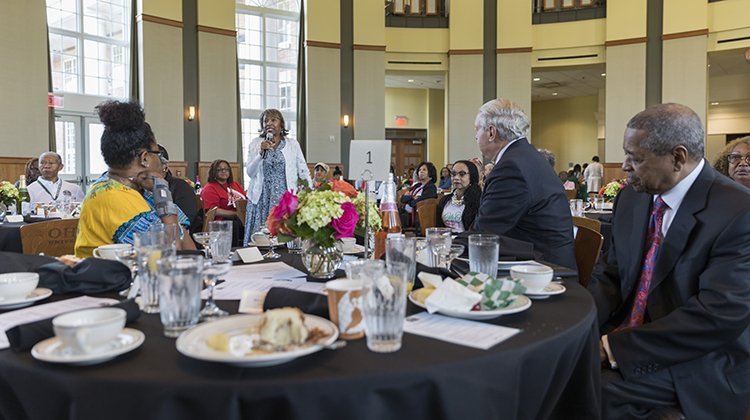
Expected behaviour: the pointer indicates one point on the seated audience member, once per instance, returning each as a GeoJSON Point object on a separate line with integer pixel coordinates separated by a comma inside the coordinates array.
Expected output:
{"type": "Point", "coordinates": [222, 191]}
{"type": "Point", "coordinates": [183, 194]}
{"type": "Point", "coordinates": [458, 209]}
{"type": "Point", "coordinates": [320, 172]}
{"type": "Point", "coordinates": [673, 295]}
{"type": "Point", "coordinates": [422, 190]}
{"type": "Point", "coordinates": [49, 188]}
{"type": "Point", "coordinates": [522, 198]}
{"type": "Point", "coordinates": [734, 161]}
{"type": "Point", "coordinates": [567, 184]}
{"type": "Point", "coordinates": [31, 171]}
{"type": "Point", "coordinates": [549, 156]}
{"type": "Point", "coordinates": [445, 179]}
{"type": "Point", "coordinates": [337, 174]}
{"type": "Point", "coordinates": [121, 202]}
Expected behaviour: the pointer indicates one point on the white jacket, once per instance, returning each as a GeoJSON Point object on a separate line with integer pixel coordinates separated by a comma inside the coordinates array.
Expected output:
{"type": "Point", "coordinates": [296, 167]}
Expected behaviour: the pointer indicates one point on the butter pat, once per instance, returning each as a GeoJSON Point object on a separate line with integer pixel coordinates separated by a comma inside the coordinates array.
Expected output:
{"type": "Point", "coordinates": [453, 296]}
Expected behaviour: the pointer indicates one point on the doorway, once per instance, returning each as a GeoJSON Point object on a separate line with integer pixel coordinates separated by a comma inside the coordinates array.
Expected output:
{"type": "Point", "coordinates": [77, 140]}
{"type": "Point", "coordinates": [408, 148]}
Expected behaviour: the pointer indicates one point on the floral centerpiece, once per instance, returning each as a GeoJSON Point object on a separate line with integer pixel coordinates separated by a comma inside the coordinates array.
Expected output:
{"type": "Point", "coordinates": [610, 191]}
{"type": "Point", "coordinates": [319, 217]}
{"type": "Point", "coordinates": [8, 193]}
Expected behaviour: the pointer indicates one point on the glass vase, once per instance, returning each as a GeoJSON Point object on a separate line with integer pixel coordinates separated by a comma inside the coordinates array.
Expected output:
{"type": "Point", "coordinates": [321, 262]}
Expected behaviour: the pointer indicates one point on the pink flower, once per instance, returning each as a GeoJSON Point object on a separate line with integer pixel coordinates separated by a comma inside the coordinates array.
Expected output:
{"type": "Point", "coordinates": [344, 225]}
{"type": "Point", "coordinates": [287, 205]}
{"type": "Point", "coordinates": [274, 222]}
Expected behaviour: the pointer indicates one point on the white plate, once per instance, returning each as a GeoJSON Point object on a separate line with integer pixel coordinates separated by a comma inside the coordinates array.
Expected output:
{"type": "Point", "coordinates": [356, 249]}
{"type": "Point", "coordinates": [549, 290]}
{"type": "Point", "coordinates": [192, 343]}
{"type": "Point", "coordinates": [52, 350]}
{"type": "Point", "coordinates": [505, 265]}
{"type": "Point", "coordinates": [521, 304]}
{"type": "Point", "coordinates": [37, 294]}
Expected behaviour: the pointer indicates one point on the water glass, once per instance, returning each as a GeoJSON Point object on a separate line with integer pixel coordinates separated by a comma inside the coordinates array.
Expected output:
{"type": "Point", "coordinates": [404, 250]}
{"type": "Point", "coordinates": [180, 287]}
{"type": "Point", "coordinates": [221, 249]}
{"type": "Point", "coordinates": [150, 246]}
{"type": "Point", "coordinates": [576, 207]}
{"type": "Point", "coordinates": [484, 250]}
{"type": "Point", "coordinates": [384, 305]}
{"type": "Point", "coordinates": [438, 243]}
{"type": "Point", "coordinates": [212, 271]}
{"type": "Point", "coordinates": [294, 246]}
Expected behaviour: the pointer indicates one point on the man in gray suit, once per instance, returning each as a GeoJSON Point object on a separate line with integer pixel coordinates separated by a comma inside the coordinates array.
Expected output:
{"type": "Point", "coordinates": [673, 294]}
{"type": "Point", "coordinates": [523, 198]}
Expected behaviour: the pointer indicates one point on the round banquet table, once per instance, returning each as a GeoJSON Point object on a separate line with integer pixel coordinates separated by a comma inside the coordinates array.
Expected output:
{"type": "Point", "coordinates": [549, 370]}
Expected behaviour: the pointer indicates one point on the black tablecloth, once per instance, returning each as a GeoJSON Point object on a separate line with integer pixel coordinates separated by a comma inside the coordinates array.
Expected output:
{"type": "Point", "coordinates": [549, 370]}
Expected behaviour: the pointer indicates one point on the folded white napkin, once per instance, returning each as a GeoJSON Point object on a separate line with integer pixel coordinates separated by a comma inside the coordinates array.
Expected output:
{"type": "Point", "coordinates": [453, 296]}
{"type": "Point", "coordinates": [250, 255]}
{"type": "Point", "coordinates": [429, 280]}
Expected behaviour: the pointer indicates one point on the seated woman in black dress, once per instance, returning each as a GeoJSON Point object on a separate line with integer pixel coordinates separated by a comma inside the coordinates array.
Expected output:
{"type": "Point", "coordinates": [425, 188]}
{"type": "Point", "coordinates": [458, 209]}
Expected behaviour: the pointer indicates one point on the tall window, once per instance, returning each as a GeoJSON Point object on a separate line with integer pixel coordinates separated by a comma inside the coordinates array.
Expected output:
{"type": "Point", "coordinates": [89, 46]}
{"type": "Point", "coordinates": [267, 36]}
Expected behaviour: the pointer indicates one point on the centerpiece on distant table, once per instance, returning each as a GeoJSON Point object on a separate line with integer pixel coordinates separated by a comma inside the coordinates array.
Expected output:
{"type": "Point", "coordinates": [8, 197]}
{"type": "Point", "coordinates": [610, 191]}
{"type": "Point", "coordinates": [321, 218]}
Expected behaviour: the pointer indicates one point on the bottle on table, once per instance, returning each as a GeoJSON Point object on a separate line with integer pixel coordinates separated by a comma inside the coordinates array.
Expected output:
{"type": "Point", "coordinates": [197, 184]}
{"type": "Point", "coordinates": [23, 205]}
{"type": "Point", "coordinates": [389, 216]}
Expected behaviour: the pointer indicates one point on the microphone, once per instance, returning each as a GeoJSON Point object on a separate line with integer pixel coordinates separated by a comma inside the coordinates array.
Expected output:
{"type": "Point", "coordinates": [269, 137]}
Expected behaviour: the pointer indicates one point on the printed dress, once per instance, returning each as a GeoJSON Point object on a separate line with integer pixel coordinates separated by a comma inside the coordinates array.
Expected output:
{"type": "Point", "coordinates": [274, 185]}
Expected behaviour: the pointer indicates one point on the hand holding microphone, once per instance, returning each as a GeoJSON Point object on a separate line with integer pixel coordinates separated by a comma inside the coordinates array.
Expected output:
{"type": "Point", "coordinates": [269, 142]}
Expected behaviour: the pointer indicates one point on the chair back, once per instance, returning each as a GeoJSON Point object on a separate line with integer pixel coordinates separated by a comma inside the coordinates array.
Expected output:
{"type": "Point", "coordinates": [241, 206]}
{"type": "Point", "coordinates": [571, 194]}
{"type": "Point", "coordinates": [399, 194]}
{"type": "Point", "coordinates": [426, 212]}
{"type": "Point", "coordinates": [54, 237]}
{"type": "Point", "coordinates": [588, 245]}
{"type": "Point", "coordinates": [210, 216]}
{"type": "Point", "coordinates": [199, 201]}
{"type": "Point", "coordinates": [592, 224]}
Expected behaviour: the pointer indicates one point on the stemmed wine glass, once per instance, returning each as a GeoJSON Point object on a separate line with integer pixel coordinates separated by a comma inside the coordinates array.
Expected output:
{"type": "Point", "coordinates": [129, 257]}
{"type": "Point", "coordinates": [206, 239]}
{"type": "Point", "coordinates": [272, 242]}
{"type": "Point", "coordinates": [212, 271]}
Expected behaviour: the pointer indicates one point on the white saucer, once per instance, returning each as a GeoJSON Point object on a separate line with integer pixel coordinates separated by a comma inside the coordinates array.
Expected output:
{"type": "Point", "coordinates": [549, 290]}
{"type": "Point", "coordinates": [37, 294]}
{"type": "Point", "coordinates": [356, 249]}
{"type": "Point", "coordinates": [51, 350]}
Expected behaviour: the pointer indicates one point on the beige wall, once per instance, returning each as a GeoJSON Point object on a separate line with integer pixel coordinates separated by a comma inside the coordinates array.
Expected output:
{"type": "Point", "coordinates": [323, 20]}
{"type": "Point", "coordinates": [161, 83]}
{"type": "Point", "coordinates": [567, 127]}
{"type": "Point", "coordinates": [464, 99]}
{"type": "Point", "coordinates": [170, 9]}
{"type": "Point", "coordinates": [217, 14]}
{"type": "Point", "coordinates": [411, 103]}
{"type": "Point", "coordinates": [323, 105]}
{"type": "Point", "coordinates": [684, 78]}
{"type": "Point", "coordinates": [436, 127]}
{"type": "Point", "coordinates": [369, 95]}
{"type": "Point", "coordinates": [513, 78]}
{"type": "Point", "coordinates": [626, 19]}
{"type": "Point", "coordinates": [625, 94]}
{"type": "Point", "coordinates": [23, 78]}
{"type": "Point", "coordinates": [714, 144]}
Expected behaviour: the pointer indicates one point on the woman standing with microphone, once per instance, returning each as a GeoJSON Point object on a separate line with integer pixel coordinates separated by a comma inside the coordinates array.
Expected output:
{"type": "Point", "coordinates": [274, 164]}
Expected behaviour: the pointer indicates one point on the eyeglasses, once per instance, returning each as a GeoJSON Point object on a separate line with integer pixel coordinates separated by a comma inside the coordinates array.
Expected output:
{"type": "Point", "coordinates": [45, 163]}
{"type": "Point", "coordinates": [459, 173]}
{"type": "Point", "coordinates": [735, 158]}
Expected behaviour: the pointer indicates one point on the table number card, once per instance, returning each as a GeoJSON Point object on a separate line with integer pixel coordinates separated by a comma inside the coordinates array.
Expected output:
{"type": "Point", "coordinates": [475, 334]}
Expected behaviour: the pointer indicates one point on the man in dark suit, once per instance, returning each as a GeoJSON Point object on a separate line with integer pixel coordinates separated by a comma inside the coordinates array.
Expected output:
{"type": "Point", "coordinates": [673, 294]}
{"type": "Point", "coordinates": [522, 198]}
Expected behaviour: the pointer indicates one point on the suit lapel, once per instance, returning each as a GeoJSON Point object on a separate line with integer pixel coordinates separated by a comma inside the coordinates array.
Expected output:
{"type": "Point", "coordinates": [682, 225]}
{"type": "Point", "coordinates": [637, 229]}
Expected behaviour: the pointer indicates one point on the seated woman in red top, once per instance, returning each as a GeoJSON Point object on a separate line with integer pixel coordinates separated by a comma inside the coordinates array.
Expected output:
{"type": "Point", "coordinates": [222, 191]}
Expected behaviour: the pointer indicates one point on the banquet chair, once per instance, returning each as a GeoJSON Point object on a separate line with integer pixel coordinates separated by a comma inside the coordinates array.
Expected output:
{"type": "Point", "coordinates": [588, 245]}
{"type": "Point", "coordinates": [210, 216]}
{"type": "Point", "coordinates": [427, 214]}
{"type": "Point", "coordinates": [241, 206]}
{"type": "Point", "coordinates": [571, 194]}
{"type": "Point", "coordinates": [53, 238]}
{"type": "Point", "coordinates": [592, 224]}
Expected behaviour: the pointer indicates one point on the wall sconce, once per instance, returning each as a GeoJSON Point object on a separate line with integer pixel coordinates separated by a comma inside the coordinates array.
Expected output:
{"type": "Point", "coordinates": [191, 113]}
{"type": "Point", "coordinates": [346, 121]}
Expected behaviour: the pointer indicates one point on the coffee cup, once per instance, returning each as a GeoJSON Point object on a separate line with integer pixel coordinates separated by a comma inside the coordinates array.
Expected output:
{"type": "Point", "coordinates": [260, 238]}
{"type": "Point", "coordinates": [88, 330]}
{"type": "Point", "coordinates": [345, 307]}
{"type": "Point", "coordinates": [349, 244]}
{"type": "Point", "coordinates": [109, 252]}
{"type": "Point", "coordinates": [534, 277]}
{"type": "Point", "coordinates": [17, 285]}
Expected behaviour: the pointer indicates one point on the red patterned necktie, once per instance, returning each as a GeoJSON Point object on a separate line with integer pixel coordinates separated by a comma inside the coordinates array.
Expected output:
{"type": "Point", "coordinates": [654, 237]}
